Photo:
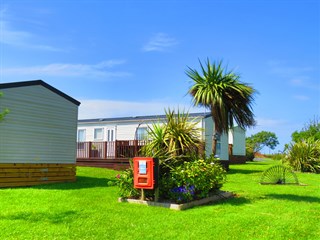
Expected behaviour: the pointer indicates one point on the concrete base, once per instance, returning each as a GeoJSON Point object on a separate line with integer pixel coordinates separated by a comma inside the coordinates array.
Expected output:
{"type": "Point", "coordinates": [221, 195]}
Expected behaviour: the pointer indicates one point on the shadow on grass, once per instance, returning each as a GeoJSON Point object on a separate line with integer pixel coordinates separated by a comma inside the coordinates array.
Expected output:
{"type": "Point", "coordinates": [81, 182]}
{"type": "Point", "coordinates": [243, 171]}
{"type": "Point", "coordinates": [295, 198]}
{"type": "Point", "coordinates": [237, 200]}
{"type": "Point", "coordinates": [30, 216]}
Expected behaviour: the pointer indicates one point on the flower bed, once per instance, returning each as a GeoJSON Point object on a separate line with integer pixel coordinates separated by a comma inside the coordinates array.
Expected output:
{"type": "Point", "coordinates": [220, 195]}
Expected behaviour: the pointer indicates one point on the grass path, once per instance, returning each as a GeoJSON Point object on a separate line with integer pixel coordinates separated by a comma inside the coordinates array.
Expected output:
{"type": "Point", "coordinates": [88, 209]}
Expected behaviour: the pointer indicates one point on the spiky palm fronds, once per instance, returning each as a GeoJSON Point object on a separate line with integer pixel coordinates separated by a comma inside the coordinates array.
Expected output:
{"type": "Point", "coordinates": [223, 94]}
{"type": "Point", "coordinates": [174, 140]}
{"type": "Point", "coordinates": [304, 155]}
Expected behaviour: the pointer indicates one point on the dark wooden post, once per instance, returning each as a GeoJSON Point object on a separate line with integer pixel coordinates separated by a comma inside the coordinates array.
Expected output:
{"type": "Point", "coordinates": [115, 149]}
{"type": "Point", "coordinates": [105, 150]}
{"type": "Point", "coordinates": [89, 149]}
{"type": "Point", "coordinates": [135, 148]}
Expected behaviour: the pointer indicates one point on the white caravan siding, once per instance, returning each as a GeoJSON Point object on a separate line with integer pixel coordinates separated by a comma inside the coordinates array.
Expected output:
{"type": "Point", "coordinates": [208, 130]}
{"type": "Point", "coordinates": [123, 130]}
{"type": "Point", "coordinates": [40, 128]}
{"type": "Point", "coordinates": [209, 133]}
{"type": "Point", "coordinates": [239, 141]}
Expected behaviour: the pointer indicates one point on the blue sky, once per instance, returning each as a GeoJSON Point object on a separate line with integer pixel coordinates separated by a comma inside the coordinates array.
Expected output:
{"type": "Point", "coordinates": [128, 58]}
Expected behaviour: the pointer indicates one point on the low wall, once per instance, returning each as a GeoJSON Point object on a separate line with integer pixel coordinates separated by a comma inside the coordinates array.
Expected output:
{"type": "Point", "coordinates": [27, 174]}
{"type": "Point", "coordinates": [235, 159]}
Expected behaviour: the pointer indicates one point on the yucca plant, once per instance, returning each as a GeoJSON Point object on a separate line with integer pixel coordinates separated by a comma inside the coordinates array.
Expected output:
{"type": "Point", "coordinates": [175, 140]}
{"type": "Point", "coordinates": [182, 136]}
{"type": "Point", "coordinates": [304, 156]}
{"type": "Point", "coordinates": [157, 147]}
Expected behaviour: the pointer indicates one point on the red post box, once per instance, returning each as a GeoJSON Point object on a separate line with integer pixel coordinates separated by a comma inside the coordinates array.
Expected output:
{"type": "Point", "coordinates": [145, 172]}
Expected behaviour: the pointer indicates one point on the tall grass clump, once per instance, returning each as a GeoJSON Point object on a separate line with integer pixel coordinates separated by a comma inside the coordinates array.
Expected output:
{"type": "Point", "coordinates": [304, 155]}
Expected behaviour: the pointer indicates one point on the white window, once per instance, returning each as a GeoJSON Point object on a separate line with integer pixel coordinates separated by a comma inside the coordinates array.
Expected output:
{"type": "Point", "coordinates": [98, 134]}
{"type": "Point", "coordinates": [142, 133]}
{"type": "Point", "coordinates": [81, 135]}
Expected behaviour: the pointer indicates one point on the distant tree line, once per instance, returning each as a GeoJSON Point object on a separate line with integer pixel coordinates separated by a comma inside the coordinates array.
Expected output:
{"type": "Point", "coordinates": [302, 154]}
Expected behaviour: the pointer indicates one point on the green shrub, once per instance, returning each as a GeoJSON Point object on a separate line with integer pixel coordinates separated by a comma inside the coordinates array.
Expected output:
{"type": "Point", "coordinates": [192, 180]}
{"type": "Point", "coordinates": [275, 156]}
{"type": "Point", "coordinates": [125, 183]}
{"type": "Point", "coordinates": [184, 183]}
{"type": "Point", "coordinates": [304, 156]}
{"type": "Point", "coordinates": [249, 154]}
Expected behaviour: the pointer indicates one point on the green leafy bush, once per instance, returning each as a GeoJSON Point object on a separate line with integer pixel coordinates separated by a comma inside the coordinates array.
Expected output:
{"type": "Point", "coordinates": [204, 176]}
{"type": "Point", "coordinates": [275, 156]}
{"type": "Point", "coordinates": [249, 154]}
{"type": "Point", "coordinates": [304, 156]}
{"type": "Point", "coordinates": [310, 130]}
{"type": "Point", "coordinates": [184, 183]}
{"type": "Point", "coordinates": [192, 180]}
{"type": "Point", "coordinates": [125, 183]}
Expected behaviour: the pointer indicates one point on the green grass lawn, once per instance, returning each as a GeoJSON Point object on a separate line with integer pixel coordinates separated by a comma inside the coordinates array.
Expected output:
{"type": "Point", "coordinates": [88, 209]}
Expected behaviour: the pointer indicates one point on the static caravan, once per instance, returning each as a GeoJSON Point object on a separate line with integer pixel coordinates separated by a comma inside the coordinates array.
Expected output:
{"type": "Point", "coordinates": [104, 131]}
{"type": "Point", "coordinates": [38, 135]}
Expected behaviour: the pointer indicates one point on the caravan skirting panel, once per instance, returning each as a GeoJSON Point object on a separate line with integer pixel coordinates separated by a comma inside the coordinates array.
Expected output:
{"type": "Point", "coordinates": [28, 174]}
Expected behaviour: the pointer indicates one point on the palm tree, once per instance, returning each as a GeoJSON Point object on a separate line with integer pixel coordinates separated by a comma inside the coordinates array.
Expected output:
{"type": "Point", "coordinates": [224, 95]}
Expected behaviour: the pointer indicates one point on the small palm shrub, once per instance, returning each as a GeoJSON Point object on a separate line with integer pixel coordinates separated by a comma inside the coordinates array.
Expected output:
{"type": "Point", "coordinates": [304, 156]}
{"type": "Point", "coordinates": [173, 142]}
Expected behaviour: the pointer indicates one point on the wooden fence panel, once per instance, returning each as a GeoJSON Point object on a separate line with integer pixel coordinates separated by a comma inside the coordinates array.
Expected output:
{"type": "Point", "coordinates": [111, 154]}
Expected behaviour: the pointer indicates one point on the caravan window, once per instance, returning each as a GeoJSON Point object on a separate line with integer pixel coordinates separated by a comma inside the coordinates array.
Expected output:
{"type": "Point", "coordinates": [98, 134]}
{"type": "Point", "coordinates": [81, 135]}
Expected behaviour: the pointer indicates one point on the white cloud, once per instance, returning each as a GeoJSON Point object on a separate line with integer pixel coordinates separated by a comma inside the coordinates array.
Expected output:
{"type": "Point", "coordinates": [101, 70]}
{"type": "Point", "coordinates": [22, 39]}
{"type": "Point", "coordinates": [299, 76]}
{"type": "Point", "coordinates": [301, 97]}
{"type": "Point", "coordinates": [283, 70]}
{"type": "Point", "coordinates": [304, 82]}
{"type": "Point", "coordinates": [268, 122]}
{"type": "Point", "coordinates": [298, 81]}
{"type": "Point", "coordinates": [160, 42]}
{"type": "Point", "coordinates": [98, 108]}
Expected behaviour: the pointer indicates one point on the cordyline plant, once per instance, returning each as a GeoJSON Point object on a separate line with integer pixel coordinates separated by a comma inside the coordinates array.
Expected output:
{"type": "Point", "coordinates": [222, 92]}
{"type": "Point", "coordinates": [175, 140]}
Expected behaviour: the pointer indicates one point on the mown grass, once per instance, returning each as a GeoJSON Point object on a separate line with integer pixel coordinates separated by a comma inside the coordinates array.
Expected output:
{"type": "Point", "coordinates": [88, 209]}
